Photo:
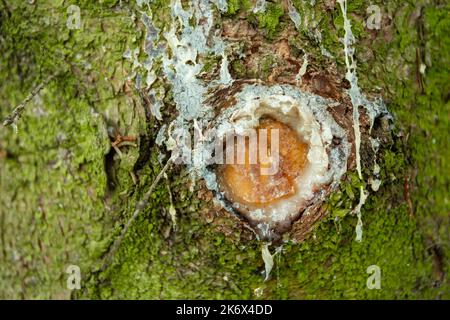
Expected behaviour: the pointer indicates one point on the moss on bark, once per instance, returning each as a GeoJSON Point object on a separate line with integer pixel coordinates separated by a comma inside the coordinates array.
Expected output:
{"type": "Point", "coordinates": [66, 194]}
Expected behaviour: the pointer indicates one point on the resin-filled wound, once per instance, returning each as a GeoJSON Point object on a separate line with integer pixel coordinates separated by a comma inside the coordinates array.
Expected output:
{"type": "Point", "coordinates": [247, 183]}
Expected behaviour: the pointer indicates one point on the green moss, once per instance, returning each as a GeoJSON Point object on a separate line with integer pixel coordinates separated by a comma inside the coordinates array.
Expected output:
{"type": "Point", "coordinates": [210, 63]}
{"type": "Point", "coordinates": [235, 5]}
{"type": "Point", "coordinates": [57, 160]}
{"type": "Point", "coordinates": [65, 196]}
{"type": "Point", "coordinates": [239, 68]}
{"type": "Point", "coordinates": [267, 64]}
{"type": "Point", "coordinates": [270, 18]}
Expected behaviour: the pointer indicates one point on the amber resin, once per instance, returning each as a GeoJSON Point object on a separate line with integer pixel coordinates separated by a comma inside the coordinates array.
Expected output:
{"type": "Point", "coordinates": [247, 184]}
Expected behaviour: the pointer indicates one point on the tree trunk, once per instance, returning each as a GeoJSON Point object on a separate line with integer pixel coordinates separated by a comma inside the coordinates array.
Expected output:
{"type": "Point", "coordinates": [85, 154]}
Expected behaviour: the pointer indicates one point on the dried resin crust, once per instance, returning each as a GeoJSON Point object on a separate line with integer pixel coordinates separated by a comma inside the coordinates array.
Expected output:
{"type": "Point", "coordinates": [314, 152]}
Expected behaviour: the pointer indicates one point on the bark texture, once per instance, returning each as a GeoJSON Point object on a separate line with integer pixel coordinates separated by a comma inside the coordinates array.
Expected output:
{"type": "Point", "coordinates": [85, 154]}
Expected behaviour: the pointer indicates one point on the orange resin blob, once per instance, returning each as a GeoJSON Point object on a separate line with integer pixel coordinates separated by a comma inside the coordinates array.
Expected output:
{"type": "Point", "coordinates": [244, 183]}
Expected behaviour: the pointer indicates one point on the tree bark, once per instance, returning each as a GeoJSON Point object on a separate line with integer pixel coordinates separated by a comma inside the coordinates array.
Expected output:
{"type": "Point", "coordinates": [84, 156]}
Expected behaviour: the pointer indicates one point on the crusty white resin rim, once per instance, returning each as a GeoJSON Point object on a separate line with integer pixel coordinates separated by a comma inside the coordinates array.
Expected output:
{"type": "Point", "coordinates": [307, 115]}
